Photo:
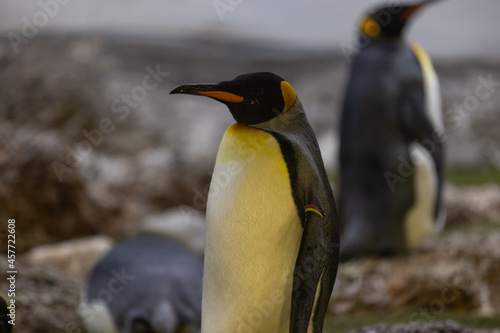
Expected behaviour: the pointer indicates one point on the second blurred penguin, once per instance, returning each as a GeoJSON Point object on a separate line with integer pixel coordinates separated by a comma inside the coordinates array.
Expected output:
{"type": "Point", "coordinates": [391, 141]}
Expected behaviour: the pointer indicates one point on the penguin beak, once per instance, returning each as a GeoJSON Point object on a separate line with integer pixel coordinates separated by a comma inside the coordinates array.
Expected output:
{"type": "Point", "coordinates": [410, 11]}
{"type": "Point", "coordinates": [413, 9]}
{"type": "Point", "coordinates": [209, 90]}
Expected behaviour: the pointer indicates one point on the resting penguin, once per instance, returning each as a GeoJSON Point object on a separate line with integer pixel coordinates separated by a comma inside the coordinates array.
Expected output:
{"type": "Point", "coordinates": [271, 251]}
{"type": "Point", "coordinates": [391, 141]}
{"type": "Point", "coordinates": [149, 283]}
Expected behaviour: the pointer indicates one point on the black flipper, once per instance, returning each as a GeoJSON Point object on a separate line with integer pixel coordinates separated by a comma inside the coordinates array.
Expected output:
{"type": "Point", "coordinates": [318, 257]}
{"type": "Point", "coordinates": [314, 269]}
{"type": "Point", "coordinates": [418, 127]}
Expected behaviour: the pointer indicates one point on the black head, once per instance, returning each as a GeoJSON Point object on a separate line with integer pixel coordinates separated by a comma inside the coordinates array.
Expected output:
{"type": "Point", "coordinates": [252, 98]}
{"type": "Point", "coordinates": [389, 21]}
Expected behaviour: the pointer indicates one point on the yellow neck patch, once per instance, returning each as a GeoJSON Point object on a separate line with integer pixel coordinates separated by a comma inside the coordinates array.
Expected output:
{"type": "Point", "coordinates": [223, 96]}
{"type": "Point", "coordinates": [422, 56]}
{"type": "Point", "coordinates": [410, 11]}
{"type": "Point", "coordinates": [370, 27]}
{"type": "Point", "coordinates": [289, 95]}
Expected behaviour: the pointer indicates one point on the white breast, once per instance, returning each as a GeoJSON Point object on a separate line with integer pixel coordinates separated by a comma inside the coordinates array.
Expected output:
{"type": "Point", "coordinates": [431, 88]}
{"type": "Point", "coordinates": [253, 237]}
{"type": "Point", "coordinates": [419, 220]}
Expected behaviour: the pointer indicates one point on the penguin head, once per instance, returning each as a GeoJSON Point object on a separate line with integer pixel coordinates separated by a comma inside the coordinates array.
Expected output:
{"type": "Point", "coordinates": [251, 98]}
{"type": "Point", "coordinates": [389, 22]}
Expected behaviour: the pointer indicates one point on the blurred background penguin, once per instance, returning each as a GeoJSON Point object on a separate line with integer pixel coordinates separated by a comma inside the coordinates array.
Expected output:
{"type": "Point", "coordinates": [149, 283]}
{"type": "Point", "coordinates": [391, 140]}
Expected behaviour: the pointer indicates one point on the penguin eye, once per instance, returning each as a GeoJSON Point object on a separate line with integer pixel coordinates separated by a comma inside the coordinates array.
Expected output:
{"type": "Point", "coordinates": [254, 101]}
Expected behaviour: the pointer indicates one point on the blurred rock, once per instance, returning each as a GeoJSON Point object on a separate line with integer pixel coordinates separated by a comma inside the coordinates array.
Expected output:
{"type": "Point", "coordinates": [76, 257]}
{"type": "Point", "coordinates": [53, 84]}
{"type": "Point", "coordinates": [45, 209]}
{"type": "Point", "coordinates": [448, 326]}
{"type": "Point", "coordinates": [46, 299]}
{"type": "Point", "coordinates": [482, 254]}
{"type": "Point", "coordinates": [471, 113]}
{"type": "Point", "coordinates": [455, 272]}
{"type": "Point", "coordinates": [182, 224]}
{"type": "Point", "coordinates": [476, 204]}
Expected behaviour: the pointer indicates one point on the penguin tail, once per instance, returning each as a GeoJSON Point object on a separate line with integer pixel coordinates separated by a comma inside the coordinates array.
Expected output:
{"type": "Point", "coordinates": [95, 316]}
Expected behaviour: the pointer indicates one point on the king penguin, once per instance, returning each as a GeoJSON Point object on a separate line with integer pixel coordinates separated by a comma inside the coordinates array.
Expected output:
{"type": "Point", "coordinates": [271, 251]}
{"type": "Point", "coordinates": [391, 141]}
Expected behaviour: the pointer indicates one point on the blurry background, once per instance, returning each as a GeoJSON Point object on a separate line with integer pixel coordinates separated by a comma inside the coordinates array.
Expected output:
{"type": "Point", "coordinates": [91, 144]}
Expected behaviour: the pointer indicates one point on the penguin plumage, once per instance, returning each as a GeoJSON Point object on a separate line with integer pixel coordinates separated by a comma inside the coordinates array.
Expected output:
{"type": "Point", "coordinates": [271, 252]}
{"type": "Point", "coordinates": [391, 141]}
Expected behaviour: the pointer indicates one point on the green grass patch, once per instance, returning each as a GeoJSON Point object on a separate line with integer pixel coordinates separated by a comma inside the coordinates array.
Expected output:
{"type": "Point", "coordinates": [478, 227]}
{"type": "Point", "coordinates": [473, 176]}
{"type": "Point", "coordinates": [339, 324]}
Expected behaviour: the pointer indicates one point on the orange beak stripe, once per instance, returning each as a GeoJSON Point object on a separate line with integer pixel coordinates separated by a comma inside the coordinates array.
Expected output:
{"type": "Point", "coordinates": [410, 11]}
{"type": "Point", "coordinates": [223, 96]}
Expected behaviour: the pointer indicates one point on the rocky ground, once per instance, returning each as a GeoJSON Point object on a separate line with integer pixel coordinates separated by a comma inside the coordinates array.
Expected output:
{"type": "Point", "coordinates": [77, 160]}
{"type": "Point", "coordinates": [438, 327]}
{"type": "Point", "coordinates": [457, 271]}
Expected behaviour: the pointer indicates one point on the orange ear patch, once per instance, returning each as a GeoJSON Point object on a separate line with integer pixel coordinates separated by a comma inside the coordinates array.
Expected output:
{"type": "Point", "coordinates": [223, 96]}
{"type": "Point", "coordinates": [370, 27]}
{"type": "Point", "coordinates": [289, 95]}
